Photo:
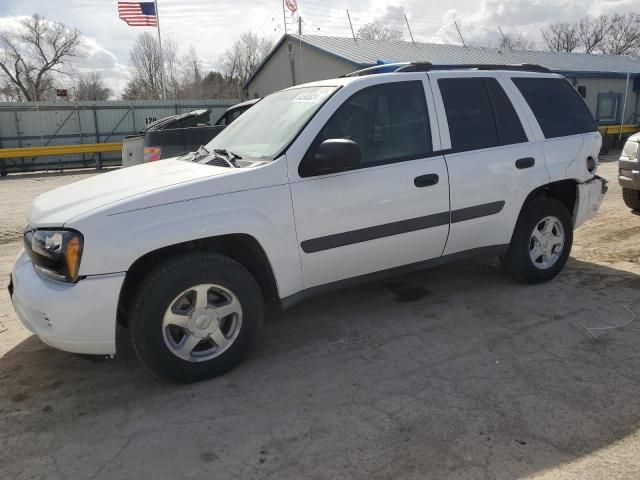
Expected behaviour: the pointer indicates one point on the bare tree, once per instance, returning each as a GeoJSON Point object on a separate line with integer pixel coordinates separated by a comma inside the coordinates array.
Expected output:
{"type": "Point", "coordinates": [516, 41]}
{"type": "Point", "coordinates": [623, 36]}
{"type": "Point", "coordinates": [191, 68]}
{"type": "Point", "coordinates": [145, 68]}
{"type": "Point", "coordinates": [91, 86]}
{"type": "Point", "coordinates": [30, 56]}
{"type": "Point", "coordinates": [376, 30]}
{"type": "Point", "coordinates": [243, 58]}
{"type": "Point", "coordinates": [561, 37]}
{"type": "Point", "coordinates": [592, 31]}
{"type": "Point", "coordinates": [171, 68]}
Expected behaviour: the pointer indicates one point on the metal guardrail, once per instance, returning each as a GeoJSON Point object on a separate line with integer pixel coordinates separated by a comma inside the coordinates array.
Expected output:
{"type": "Point", "coordinates": [617, 129]}
{"type": "Point", "coordinates": [25, 152]}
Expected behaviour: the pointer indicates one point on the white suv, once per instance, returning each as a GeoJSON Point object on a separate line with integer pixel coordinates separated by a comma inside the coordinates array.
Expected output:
{"type": "Point", "coordinates": [316, 187]}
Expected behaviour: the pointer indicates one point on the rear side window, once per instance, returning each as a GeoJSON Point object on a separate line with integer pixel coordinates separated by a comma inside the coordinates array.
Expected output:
{"type": "Point", "coordinates": [559, 109]}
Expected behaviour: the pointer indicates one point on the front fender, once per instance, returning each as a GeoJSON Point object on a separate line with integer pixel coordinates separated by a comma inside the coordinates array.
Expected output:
{"type": "Point", "coordinates": [113, 242]}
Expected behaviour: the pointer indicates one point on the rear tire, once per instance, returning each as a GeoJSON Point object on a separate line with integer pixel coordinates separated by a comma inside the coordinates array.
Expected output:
{"type": "Point", "coordinates": [195, 316]}
{"type": "Point", "coordinates": [541, 242]}
{"type": "Point", "coordinates": [631, 198]}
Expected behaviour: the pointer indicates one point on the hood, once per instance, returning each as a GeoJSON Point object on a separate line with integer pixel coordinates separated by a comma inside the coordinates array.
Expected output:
{"type": "Point", "coordinates": [60, 205]}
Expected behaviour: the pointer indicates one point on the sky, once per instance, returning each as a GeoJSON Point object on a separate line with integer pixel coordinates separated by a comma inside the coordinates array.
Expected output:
{"type": "Point", "coordinates": [212, 26]}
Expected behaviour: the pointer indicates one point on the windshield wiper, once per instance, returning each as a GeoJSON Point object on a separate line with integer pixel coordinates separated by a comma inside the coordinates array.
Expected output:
{"type": "Point", "coordinates": [227, 153]}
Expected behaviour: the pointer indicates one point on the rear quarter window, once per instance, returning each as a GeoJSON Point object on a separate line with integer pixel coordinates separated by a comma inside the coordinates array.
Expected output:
{"type": "Point", "coordinates": [557, 106]}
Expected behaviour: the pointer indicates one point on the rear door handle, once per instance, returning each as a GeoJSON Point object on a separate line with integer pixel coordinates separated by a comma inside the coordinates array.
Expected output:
{"type": "Point", "coordinates": [526, 162]}
{"type": "Point", "coordinates": [426, 180]}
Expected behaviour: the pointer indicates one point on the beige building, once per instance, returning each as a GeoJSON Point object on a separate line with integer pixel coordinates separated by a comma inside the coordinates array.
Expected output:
{"type": "Point", "coordinates": [298, 59]}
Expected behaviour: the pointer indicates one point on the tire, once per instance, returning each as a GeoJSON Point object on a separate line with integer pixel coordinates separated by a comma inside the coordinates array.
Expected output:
{"type": "Point", "coordinates": [167, 319]}
{"type": "Point", "coordinates": [518, 260]}
{"type": "Point", "coordinates": [631, 198]}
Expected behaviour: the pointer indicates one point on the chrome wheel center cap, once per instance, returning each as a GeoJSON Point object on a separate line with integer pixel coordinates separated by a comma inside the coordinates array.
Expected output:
{"type": "Point", "coordinates": [201, 321]}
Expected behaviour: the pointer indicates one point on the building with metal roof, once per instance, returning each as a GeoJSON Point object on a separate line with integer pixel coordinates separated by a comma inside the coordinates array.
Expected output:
{"type": "Point", "coordinates": [297, 59]}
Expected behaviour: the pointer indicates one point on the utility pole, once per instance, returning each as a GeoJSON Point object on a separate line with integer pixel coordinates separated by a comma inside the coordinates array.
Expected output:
{"type": "Point", "coordinates": [408, 27]}
{"type": "Point", "coordinates": [460, 34]}
{"type": "Point", "coordinates": [351, 25]}
{"type": "Point", "coordinates": [299, 25]}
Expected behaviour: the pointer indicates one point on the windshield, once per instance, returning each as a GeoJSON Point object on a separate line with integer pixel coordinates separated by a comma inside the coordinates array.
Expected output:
{"type": "Point", "coordinates": [266, 128]}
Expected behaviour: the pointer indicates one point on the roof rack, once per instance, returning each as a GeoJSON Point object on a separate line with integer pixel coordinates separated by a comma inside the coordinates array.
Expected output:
{"type": "Point", "coordinates": [427, 67]}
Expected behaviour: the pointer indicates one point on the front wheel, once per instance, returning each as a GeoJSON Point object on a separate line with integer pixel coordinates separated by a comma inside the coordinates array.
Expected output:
{"type": "Point", "coordinates": [541, 242]}
{"type": "Point", "coordinates": [195, 316]}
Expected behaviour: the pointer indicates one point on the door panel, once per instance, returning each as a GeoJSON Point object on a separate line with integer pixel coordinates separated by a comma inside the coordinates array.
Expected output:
{"type": "Point", "coordinates": [492, 164]}
{"type": "Point", "coordinates": [371, 219]}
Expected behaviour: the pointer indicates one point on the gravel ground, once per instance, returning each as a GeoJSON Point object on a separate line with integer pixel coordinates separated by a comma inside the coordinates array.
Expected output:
{"type": "Point", "coordinates": [455, 372]}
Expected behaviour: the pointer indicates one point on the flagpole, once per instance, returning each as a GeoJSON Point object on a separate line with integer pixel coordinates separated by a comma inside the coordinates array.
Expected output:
{"type": "Point", "coordinates": [164, 91]}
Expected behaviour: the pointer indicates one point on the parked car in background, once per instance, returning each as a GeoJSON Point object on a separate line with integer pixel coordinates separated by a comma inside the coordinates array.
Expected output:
{"type": "Point", "coordinates": [177, 134]}
{"type": "Point", "coordinates": [629, 172]}
{"type": "Point", "coordinates": [317, 187]}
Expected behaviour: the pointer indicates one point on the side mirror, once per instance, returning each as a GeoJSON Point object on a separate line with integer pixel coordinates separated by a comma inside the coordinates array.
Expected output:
{"type": "Point", "coordinates": [336, 155]}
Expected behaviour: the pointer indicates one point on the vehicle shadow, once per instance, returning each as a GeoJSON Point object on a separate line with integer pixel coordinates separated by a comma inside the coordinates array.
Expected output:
{"type": "Point", "coordinates": [456, 371]}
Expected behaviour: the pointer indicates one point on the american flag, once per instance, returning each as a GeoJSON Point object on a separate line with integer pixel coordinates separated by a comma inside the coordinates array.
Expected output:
{"type": "Point", "coordinates": [292, 5]}
{"type": "Point", "coordinates": [138, 14]}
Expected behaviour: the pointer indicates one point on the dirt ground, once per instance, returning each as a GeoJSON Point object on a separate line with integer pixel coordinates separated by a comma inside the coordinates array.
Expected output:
{"type": "Point", "coordinates": [455, 372]}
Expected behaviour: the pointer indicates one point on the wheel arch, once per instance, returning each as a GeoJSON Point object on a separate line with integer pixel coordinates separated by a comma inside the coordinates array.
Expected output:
{"type": "Point", "coordinates": [243, 248]}
{"type": "Point", "coordinates": [565, 191]}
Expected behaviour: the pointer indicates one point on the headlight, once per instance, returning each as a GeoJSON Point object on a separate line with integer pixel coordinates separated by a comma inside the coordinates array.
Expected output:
{"type": "Point", "coordinates": [55, 253]}
{"type": "Point", "coordinates": [630, 150]}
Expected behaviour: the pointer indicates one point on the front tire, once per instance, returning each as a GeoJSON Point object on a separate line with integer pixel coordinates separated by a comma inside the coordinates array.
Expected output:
{"type": "Point", "coordinates": [541, 242]}
{"type": "Point", "coordinates": [631, 198]}
{"type": "Point", "coordinates": [195, 316]}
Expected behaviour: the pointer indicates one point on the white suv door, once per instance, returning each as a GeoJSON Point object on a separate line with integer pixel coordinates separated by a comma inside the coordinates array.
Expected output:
{"type": "Point", "coordinates": [393, 208]}
{"type": "Point", "coordinates": [492, 159]}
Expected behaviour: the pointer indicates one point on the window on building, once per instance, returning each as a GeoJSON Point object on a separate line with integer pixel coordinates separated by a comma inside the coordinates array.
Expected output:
{"type": "Point", "coordinates": [609, 109]}
{"type": "Point", "coordinates": [557, 106]}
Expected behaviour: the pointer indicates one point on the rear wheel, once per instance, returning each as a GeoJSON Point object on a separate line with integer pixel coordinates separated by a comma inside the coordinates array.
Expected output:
{"type": "Point", "coordinates": [195, 316]}
{"type": "Point", "coordinates": [631, 198]}
{"type": "Point", "coordinates": [541, 242]}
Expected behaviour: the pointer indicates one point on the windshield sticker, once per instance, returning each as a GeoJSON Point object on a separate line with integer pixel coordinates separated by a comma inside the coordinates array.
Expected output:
{"type": "Point", "coordinates": [308, 98]}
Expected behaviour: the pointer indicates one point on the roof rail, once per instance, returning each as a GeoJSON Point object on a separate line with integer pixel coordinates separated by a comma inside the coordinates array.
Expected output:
{"type": "Point", "coordinates": [427, 67]}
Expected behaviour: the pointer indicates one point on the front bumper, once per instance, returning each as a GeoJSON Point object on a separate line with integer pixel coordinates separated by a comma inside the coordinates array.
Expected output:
{"type": "Point", "coordinates": [590, 196]}
{"type": "Point", "coordinates": [629, 174]}
{"type": "Point", "coordinates": [79, 317]}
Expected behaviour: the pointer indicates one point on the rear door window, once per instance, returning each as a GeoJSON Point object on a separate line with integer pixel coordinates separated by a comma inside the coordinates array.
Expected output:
{"type": "Point", "coordinates": [557, 106]}
{"type": "Point", "coordinates": [510, 129]}
{"type": "Point", "coordinates": [479, 114]}
{"type": "Point", "coordinates": [469, 113]}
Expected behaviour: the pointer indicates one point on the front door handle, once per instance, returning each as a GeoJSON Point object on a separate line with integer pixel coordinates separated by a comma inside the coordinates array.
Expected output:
{"type": "Point", "coordinates": [526, 162]}
{"type": "Point", "coordinates": [426, 180]}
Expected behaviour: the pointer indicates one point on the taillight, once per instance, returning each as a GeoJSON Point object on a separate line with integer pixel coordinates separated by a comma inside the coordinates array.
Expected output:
{"type": "Point", "coordinates": [151, 154]}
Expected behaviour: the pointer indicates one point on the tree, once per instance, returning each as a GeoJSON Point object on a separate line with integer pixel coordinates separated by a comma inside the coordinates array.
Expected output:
{"type": "Point", "coordinates": [243, 58]}
{"type": "Point", "coordinates": [623, 35]}
{"type": "Point", "coordinates": [377, 31]}
{"type": "Point", "coordinates": [31, 56]}
{"type": "Point", "coordinates": [592, 31]}
{"type": "Point", "coordinates": [561, 37]}
{"type": "Point", "coordinates": [516, 41]}
{"type": "Point", "coordinates": [145, 68]}
{"type": "Point", "coordinates": [91, 86]}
